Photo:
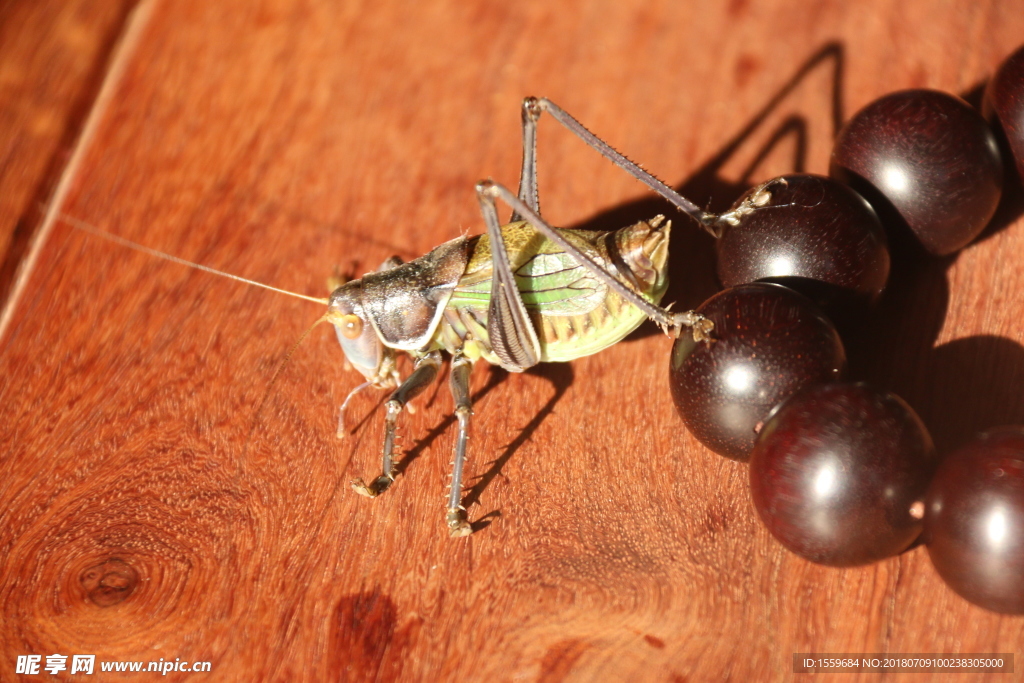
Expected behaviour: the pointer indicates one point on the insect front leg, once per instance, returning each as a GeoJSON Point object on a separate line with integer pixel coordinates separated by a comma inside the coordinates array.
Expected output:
{"type": "Point", "coordinates": [422, 375]}
{"type": "Point", "coordinates": [456, 519]}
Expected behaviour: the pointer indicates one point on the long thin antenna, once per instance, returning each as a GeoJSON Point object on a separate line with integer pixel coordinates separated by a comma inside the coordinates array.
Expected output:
{"type": "Point", "coordinates": [280, 368]}
{"type": "Point", "coordinates": [92, 230]}
{"type": "Point", "coordinates": [121, 59]}
{"type": "Point", "coordinates": [254, 423]}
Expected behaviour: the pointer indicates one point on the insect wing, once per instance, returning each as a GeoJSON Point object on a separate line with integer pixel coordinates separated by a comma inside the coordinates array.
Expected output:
{"type": "Point", "coordinates": [550, 281]}
{"type": "Point", "coordinates": [512, 336]}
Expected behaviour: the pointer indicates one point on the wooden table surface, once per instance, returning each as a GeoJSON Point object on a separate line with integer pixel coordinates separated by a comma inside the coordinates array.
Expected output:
{"type": "Point", "coordinates": [159, 499]}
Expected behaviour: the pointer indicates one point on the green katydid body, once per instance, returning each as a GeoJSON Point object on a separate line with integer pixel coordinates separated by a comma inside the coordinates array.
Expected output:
{"type": "Point", "coordinates": [573, 313]}
{"type": "Point", "coordinates": [443, 300]}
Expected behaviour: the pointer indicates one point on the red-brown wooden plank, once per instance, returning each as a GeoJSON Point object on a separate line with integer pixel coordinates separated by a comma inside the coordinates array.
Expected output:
{"type": "Point", "coordinates": [277, 140]}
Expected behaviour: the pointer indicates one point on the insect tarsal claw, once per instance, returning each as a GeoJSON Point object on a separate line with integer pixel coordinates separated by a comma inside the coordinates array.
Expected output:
{"type": "Point", "coordinates": [377, 487]}
{"type": "Point", "coordinates": [702, 330]}
{"type": "Point", "coordinates": [457, 524]}
{"type": "Point", "coordinates": [360, 487]}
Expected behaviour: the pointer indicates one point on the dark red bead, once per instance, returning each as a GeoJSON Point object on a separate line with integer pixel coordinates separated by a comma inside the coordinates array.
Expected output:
{"type": "Point", "coordinates": [974, 520]}
{"type": "Point", "coordinates": [1005, 99]}
{"type": "Point", "coordinates": [804, 227]}
{"type": "Point", "coordinates": [930, 158]}
{"type": "Point", "coordinates": [837, 471]}
{"type": "Point", "coordinates": [768, 342]}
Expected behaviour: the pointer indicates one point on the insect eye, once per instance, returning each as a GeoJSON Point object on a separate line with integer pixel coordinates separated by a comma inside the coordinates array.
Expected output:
{"type": "Point", "coordinates": [351, 326]}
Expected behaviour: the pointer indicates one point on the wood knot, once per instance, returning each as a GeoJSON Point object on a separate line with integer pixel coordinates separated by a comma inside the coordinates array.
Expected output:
{"type": "Point", "coordinates": [109, 583]}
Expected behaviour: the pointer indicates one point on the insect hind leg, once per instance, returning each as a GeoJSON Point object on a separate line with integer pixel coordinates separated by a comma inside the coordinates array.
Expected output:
{"type": "Point", "coordinates": [488, 192]}
{"type": "Point", "coordinates": [422, 375]}
{"type": "Point", "coordinates": [528, 191]}
{"type": "Point", "coordinates": [533, 107]}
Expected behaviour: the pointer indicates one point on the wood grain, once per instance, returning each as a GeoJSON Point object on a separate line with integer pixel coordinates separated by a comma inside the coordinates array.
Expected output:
{"type": "Point", "coordinates": [53, 57]}
{"type": "Point", "coordinates": [161, 500]}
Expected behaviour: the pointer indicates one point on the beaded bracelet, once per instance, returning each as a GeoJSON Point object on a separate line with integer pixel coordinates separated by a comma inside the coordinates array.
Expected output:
{"type": "Point", "coordinates": [843, 473]}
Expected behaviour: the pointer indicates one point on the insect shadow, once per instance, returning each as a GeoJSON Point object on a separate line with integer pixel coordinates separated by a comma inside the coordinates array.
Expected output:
{"type": "Point", "coordinates": [496, 377]}
{"type": "Point", "coordinates": [559, 375]}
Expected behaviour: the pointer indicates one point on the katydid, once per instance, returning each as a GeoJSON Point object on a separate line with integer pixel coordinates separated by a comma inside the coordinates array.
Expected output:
{"type": "Point", "coordinates": [521, 294]}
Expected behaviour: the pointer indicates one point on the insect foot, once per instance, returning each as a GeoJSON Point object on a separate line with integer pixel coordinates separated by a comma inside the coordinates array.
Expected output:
{"type": "Point", "coordinates": [757, 198]}
{"type": "Point", "coordinates": [457, 524]}
{"type": "Point", "coordinates": [702, 330]}
{"type": "Point", "coordinates": [379, 485]}
{"type": "Point", "coordinates": [700, 326]}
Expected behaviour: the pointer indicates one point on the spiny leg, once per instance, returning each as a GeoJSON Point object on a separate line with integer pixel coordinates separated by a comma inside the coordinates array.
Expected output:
{"type": "Point", "coordinates": [532, 109]}
{"type": "Point", "coordinates": [489, 191]}
{"type": "Point", "coordinates": [456, 518]}
{"type": "Point", "coordinates": [528, 191]}
{"type": "Point", "coordinates": [423, 374]}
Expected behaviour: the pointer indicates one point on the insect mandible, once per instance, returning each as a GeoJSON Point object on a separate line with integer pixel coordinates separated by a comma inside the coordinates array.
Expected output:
{"type": "Point", "coordinates": [520, 294]}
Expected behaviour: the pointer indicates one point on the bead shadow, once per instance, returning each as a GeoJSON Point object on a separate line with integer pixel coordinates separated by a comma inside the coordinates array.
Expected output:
{"type": "Point", "coordinates": [971, 385]}
{"type": "Point", "coordinates": [904, 322]}
{"type": "Point", "coordinates": [975, 94]}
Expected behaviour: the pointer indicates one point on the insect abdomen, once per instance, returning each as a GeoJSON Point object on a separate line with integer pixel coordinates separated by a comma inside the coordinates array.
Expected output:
{"type": "Point", "coordinates": [573, 313]}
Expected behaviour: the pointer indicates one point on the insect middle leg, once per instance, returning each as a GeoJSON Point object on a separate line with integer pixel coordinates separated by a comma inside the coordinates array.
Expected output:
{"type": "Point", "coordinates": [424, 372]}
{"type": "Point", "coordinates": [456, 519]}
